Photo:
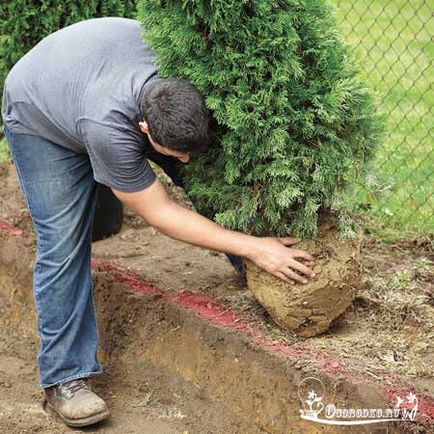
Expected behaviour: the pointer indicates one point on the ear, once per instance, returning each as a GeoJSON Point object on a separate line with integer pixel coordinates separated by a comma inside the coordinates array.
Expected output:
{"type": "Point", "coordinates": [144, 127]}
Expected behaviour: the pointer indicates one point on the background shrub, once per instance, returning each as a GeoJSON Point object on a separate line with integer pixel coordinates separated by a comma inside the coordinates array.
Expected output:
{"type": "Point", "coordinates": [23, 23]}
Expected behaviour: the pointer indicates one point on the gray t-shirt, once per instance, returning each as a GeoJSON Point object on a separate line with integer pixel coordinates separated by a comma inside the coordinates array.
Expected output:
{"type": "Point", "coordinates": [81, 88]}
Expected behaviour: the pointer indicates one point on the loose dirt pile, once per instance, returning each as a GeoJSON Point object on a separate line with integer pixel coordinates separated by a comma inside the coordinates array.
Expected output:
{"type": "Point", "coordinates": [310, 309]}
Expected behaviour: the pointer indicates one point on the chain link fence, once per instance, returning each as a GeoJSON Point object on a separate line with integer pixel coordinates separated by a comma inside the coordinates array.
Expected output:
{"type": "Point", "coordinates": [393, 40]}
{"type": "Point", "coordinates": [394, 43]}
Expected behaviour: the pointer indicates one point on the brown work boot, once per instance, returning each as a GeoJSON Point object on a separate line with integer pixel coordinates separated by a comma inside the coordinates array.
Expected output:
{"type": "Point", "coordinates": [76, 404]}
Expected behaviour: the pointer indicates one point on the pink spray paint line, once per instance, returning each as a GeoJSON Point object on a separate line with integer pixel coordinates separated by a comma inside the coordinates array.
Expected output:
{"type": "Point", "coordinates": [7, 228]}
{"type": "Point", "coordinates": [131, 279]}
{"type": "Point", "coordinates": [218, 314]}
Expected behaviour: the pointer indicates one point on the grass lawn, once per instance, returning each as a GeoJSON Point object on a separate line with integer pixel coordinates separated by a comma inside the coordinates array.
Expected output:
{"type": "Point", "coordinates": [393, 41]}
{"type": "Point", "coordinates": [4, 151]}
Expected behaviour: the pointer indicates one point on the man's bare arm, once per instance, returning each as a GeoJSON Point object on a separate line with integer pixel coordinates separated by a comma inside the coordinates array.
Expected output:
{"type": "Point", "coordinates": [175, 221]}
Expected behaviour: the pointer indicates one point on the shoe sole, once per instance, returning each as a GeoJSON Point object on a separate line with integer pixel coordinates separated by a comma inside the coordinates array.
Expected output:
{"type": "Point", "coordinates": [81, 422]}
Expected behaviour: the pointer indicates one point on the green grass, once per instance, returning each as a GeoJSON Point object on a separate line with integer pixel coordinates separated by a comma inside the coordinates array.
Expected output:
{"type": "Point", "coordinates": [393, 42]}
{"type": "Point", "coordinates": [4, 151]}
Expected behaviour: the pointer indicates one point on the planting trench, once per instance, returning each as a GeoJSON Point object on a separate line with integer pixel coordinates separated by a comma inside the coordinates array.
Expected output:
{"type": "Point", "coordinates": [193, 353]}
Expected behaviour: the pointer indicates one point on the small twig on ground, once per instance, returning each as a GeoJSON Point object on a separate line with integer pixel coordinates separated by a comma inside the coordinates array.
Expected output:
{"type": "Point", "coordinates": [145, 401]}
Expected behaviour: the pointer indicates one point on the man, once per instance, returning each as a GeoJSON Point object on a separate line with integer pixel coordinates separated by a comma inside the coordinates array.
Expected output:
{"type": "Point", "coordinates": [86, 104]}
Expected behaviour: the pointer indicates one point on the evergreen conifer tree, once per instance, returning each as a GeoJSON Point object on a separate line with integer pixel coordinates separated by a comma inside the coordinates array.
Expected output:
{"type": "Point", "coordinates": [295, 123]}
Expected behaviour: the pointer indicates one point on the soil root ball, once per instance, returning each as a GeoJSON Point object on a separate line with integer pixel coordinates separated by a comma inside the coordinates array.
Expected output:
{"type": "Point", "coordinates": [310, 309]}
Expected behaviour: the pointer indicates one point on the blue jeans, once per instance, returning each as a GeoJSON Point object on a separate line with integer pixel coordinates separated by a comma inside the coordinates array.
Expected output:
{"type": "Point", "coordinates": [60, 192]}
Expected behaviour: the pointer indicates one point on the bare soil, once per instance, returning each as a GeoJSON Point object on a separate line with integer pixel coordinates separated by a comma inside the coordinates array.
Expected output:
{"type": "Point", "coordinates": [390, 326]}
{"type": "Point", "coordinates": [310, 309]}
{"type": "Point", "coordinates": [143, 397]}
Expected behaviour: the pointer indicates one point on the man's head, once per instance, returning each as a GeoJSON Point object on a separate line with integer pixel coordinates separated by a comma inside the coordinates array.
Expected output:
{"type": "Point", "coordinates": [176, 120]}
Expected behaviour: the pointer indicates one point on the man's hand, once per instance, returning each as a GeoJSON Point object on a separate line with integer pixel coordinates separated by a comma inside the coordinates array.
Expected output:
{"type": "Point", "coordinates": [271, 254]}
{"type": "Point", "coordinates": [175, 221]}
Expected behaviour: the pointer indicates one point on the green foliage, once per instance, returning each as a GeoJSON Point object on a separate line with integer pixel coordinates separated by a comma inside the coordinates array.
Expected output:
{"type": "Point", "coordinates": [23, 23]}
{"type": "Point", "coordinates": [4, 152]}
{"type": "Point", "coordinates": [296, 124]}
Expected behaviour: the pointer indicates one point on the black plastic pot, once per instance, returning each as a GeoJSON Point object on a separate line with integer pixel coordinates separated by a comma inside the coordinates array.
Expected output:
{"type": "Point", "coordinates": [108, 214]}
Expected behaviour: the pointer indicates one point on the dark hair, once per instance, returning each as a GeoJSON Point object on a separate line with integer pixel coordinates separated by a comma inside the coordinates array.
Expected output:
{"type": "Point", "coordinates": [176, 115]}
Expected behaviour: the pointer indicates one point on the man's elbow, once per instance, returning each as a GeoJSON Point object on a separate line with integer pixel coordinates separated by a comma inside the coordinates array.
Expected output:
{"type": "Point", "coordinates": [161, 216]}
{"type": "Point", "coordinates": [152, 204]}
